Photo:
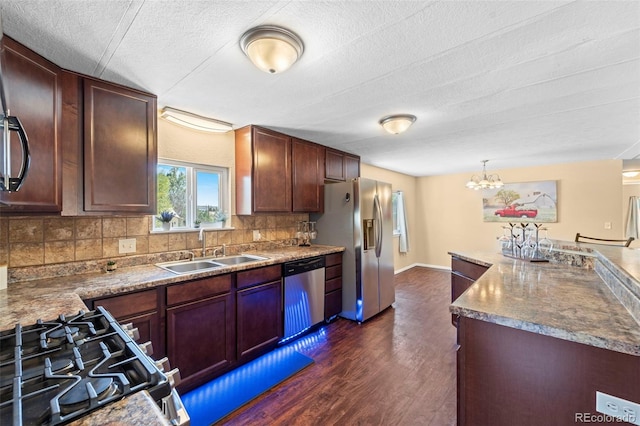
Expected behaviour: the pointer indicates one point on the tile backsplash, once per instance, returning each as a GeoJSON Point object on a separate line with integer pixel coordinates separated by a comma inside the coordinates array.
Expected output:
{"type": "Point", "coordinates": [50, 240]}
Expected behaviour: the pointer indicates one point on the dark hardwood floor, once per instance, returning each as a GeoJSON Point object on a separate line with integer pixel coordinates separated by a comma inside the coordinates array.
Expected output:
{"type": "Point", "coordinates": [398, 368]}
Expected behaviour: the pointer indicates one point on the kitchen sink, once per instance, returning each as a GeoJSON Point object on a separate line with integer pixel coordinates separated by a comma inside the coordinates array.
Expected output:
{"type": "Point", "coordinates": [237, 260]}
{"type": "Point", "coordinates": [199, 265]}
{"type": "Point", "coordinates": [186, 267]}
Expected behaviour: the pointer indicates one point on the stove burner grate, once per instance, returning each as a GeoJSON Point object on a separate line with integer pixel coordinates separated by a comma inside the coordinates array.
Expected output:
{"type": "Point", "coordinates": [57, 371]}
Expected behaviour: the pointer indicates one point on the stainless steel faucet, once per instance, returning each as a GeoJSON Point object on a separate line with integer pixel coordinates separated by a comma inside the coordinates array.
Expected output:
{"type": "Point", "coordinates": [203, 237]}
{"type": "Point", "coordinates": [223, 248]}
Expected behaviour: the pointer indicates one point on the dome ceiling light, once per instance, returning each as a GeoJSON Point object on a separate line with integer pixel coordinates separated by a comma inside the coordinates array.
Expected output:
{"type": "Point", "coordinates": [397, 123]}
{"type": "Point", "coordinates": [484, 182]}
{"type": "Point", "coordinates": [272, 49]}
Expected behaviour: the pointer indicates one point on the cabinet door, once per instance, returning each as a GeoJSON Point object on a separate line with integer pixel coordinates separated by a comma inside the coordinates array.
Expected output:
{"type": "Point", "coordinates": [200, 339]}
{"type": "Point", "coordinates": [332, 303]}
{"type": "Point", "coordinates": [142, 310]}
{"type": "Point", "coordinates": [271, 171]}
{"type": "Point", "coordinates": [459, 284]}
{"type": "Point", "coordinates": [333, 165]}
{"type": "Point", "coordinates": [33, 91]}
{"type": "Point", "coordinates": [259, 319]}
{"type": "Point", "coordinates": [351, 167]}
{"type": "Point", "coordinates": [120, 153]}
{"type": "Point", "coordinates": [307, 176]}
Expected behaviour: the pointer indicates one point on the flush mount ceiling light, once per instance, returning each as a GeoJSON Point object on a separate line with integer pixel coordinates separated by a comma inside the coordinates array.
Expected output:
{"type": "Point", "coordinates": [272, 49]}
{"type": "Point", "coordinates": [195, 121]}
{"type": "Point", "coordinates": [484, 182]}
{"type": "Point", "coordinates": [630, 173]}
{"type": "Point", "coordinates": [397, 123]}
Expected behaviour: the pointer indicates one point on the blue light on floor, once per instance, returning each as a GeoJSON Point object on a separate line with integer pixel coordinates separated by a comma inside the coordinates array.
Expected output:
{"type": "Point", "coordinates": [212, 401]}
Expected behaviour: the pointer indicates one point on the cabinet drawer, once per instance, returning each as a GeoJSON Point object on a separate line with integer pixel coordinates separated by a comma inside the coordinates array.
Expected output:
{"type": "Point", "coordinates": [199, 289]}
{"type": "Point", "coordinates": [334, 284]}
{"type": "Point", "coordinates": [333, 259]}
{"type": "Point", "coordinates": [468, 269]}
{"type": "Point", "coordinates": [130, 304]}
{"type": "Point", "coordinates": [332, 272]}
{"type": "Point", "coordinates": [258, 276]}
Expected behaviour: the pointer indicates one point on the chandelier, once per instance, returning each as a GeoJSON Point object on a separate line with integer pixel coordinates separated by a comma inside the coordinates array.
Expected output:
{"type": "Point", "coordinates": [485, 181]}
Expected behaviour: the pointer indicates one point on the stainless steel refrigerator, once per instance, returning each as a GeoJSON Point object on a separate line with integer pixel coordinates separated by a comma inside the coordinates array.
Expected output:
{"type": "Point", "coordinates": [358, 215]}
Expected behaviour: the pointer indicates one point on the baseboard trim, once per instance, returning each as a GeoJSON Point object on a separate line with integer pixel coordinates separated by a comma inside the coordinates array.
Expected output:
{"type": "Point", "coordinates": [422, 265]}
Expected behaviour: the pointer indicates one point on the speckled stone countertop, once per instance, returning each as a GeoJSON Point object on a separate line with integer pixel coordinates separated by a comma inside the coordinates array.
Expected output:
{"type": "Point", "coordinates": [138, 409]}
{"type": "Point", "coordinates": [26, 302]}
{"type": "Point", "coordinates": [555, 299]}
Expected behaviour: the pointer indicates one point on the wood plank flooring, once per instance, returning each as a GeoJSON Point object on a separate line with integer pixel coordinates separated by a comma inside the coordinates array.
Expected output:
{"type": "Point", "coordinates": [398, 368]}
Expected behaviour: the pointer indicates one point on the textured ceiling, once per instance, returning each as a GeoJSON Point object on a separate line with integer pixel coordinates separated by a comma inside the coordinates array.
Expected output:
{"type": "Point", "coordinates": [520, 83]}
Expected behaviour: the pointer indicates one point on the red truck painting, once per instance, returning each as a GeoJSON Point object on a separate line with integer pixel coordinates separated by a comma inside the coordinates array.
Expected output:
{"type": "Point", "coordinates": [516, 211]}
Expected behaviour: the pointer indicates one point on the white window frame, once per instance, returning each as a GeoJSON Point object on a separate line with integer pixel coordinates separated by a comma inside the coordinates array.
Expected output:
{"type": "Point", "coordinates": [224, 194]}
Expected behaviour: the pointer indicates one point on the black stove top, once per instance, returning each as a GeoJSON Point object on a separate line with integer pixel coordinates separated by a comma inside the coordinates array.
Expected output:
{"type": "Point", "coordinates": [53, 372]}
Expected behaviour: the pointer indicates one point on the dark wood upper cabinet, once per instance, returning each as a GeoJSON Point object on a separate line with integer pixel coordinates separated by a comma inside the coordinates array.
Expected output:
{"type": "Point", "coordinates": [340, 166]}
{"type": "Point", "coordinates": [120, 151]}
{"type": "Point", "coordinates": [33, 89]}
{"type": "Point", "coordinates": [307, 176]}
{"type": "Point", "coordinates": [351, 167]}
{"type": "Point", "coordinates": [263, 171]}
{"type": "Point", "coordinates": [334, 165]}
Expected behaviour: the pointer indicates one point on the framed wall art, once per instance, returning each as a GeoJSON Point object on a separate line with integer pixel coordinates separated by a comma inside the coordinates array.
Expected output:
{"type": "Point", "coordinates": [524, 202]}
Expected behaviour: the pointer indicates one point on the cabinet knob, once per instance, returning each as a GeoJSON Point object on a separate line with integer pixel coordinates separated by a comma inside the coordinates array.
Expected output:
{"type": "Point", "coordinates": [147, 348]}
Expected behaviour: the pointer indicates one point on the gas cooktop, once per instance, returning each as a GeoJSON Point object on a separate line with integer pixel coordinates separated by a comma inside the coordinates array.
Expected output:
{"type": "Point", "coordinates": [53, 372]}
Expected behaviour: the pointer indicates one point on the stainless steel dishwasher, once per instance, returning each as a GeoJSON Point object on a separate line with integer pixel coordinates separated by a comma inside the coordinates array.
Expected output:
{"type": "Point", "coordinates": [303, 295]}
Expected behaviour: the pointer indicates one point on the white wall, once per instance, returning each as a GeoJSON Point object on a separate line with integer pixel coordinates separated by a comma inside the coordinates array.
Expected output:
{"type": "Point", "coordinates": [443, 214]}
{"type": "Point", "coordinates": [589, 195]}
{"type": "Point", "coordinates": [407, 184]}
{"type": "Point", "coordinates": [215, 149]}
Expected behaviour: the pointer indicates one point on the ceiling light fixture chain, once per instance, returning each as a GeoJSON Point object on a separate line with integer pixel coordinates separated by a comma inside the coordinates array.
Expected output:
{"type": "Point", "coordinates": [485, 181]}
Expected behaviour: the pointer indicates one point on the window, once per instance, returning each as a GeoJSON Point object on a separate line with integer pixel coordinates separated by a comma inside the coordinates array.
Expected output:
{"type": "Point", "coordinates": [196, 193]}
{"type": "Point", "coordinates": [394, 203]}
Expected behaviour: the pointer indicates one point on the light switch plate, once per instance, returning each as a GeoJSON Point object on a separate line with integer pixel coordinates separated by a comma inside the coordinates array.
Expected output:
{"type": "Point", "coordinates": [617, 407]}
{"type": "Point", "coordinates": [127, 245]}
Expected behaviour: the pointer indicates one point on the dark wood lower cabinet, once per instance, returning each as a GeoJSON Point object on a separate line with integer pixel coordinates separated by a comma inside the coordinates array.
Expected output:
{"type": "Point", "coordinates": [200, 339]}
{"type": "Point", "coordinates": [333, 285]}
{"type": "Point", "coordinates": [260, 324]}
{"type": "Point", "coordinates": [512, 377]}
{"type": "Point", "coordinates": [463, 275]}
{"type": "Point", "coordinates": [142, 310]}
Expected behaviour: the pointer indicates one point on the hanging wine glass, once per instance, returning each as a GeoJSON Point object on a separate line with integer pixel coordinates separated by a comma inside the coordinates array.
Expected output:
{"type": "Point", "coordinates": [529, 243]}
{"type": "Point", "coordinates": [504, 240]}
{"type": "Point", "coordinates": [545, 245]}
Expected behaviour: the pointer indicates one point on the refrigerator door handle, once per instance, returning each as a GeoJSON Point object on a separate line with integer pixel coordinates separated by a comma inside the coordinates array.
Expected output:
{"type": "Point", "coordinates": [378, 221]}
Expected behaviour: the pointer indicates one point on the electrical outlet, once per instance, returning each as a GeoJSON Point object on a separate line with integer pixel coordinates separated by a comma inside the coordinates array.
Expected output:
{"type": "Point", "coordinates": [256, 235]}
{"type": "Point", "coordinates": [127, 245]}
{"type": "Point", "coordinates": [607, 225]}
{"type": "Point", "coordinates": [617, 407]}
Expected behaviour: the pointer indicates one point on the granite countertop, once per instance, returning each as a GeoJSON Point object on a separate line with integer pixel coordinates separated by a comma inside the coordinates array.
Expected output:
{"type": "Point", "coordinates": [137, 409]}
{"type": "Point", "coordinates": [555, 299]}
{"type": "Point", "coordinates": [26, 302]}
